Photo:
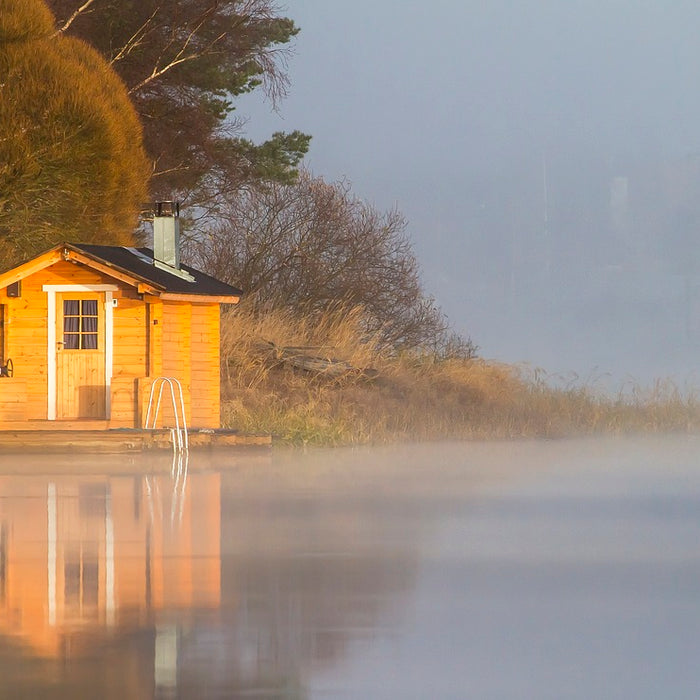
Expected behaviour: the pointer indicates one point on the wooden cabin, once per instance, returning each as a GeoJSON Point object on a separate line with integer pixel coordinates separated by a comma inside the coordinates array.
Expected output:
{"type": "Point", "coordinates": [85, 330]}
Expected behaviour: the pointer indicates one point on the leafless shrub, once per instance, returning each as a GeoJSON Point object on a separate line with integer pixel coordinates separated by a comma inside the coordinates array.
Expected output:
{"type": "Point", "coordinates": [313, 244]}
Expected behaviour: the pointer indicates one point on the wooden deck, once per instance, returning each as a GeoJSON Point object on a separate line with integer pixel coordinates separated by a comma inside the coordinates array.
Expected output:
{"type": "Point", "coordinates": [91, 436]}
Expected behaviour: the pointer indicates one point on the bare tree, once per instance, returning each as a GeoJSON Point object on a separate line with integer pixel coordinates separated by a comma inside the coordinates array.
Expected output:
{"type": "Point", "coordinates": [312, 244]}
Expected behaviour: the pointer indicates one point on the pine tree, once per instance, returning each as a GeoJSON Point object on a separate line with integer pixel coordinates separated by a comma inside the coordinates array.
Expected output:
{"type": "Point", "coordinates": [185, 63]}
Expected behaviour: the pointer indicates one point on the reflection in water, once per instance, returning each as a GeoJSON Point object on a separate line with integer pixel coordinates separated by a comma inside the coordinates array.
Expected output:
{"type": "Point", "coordinates": [513, 570]}
{"type": "Point", "coordinates": [88, 562]}
{"type": "Point", "coordinates": [184, 583]}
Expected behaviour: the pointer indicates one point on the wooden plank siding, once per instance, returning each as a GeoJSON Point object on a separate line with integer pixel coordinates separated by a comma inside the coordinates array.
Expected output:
{"type": "Point", "coordinates": [176, 352]}
{"type": "Point", "coordinates": [205, 373]}
{"type": "Point", "coordinates": [13, 399]}
{"type": "Point", "coordinates": [151, 337]}
{"type": "Point", "coordinates": [130, 357]}
{"type": "Point", "coordinates": [125, 409]}
{"type": "Point", "coordinates": [25, 342]}
{"type": "Point", "coordinates": [26, 345]}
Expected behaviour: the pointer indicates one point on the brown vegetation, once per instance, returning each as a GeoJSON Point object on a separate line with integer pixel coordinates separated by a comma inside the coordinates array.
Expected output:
{"type": "Point", "coordinates": [312, 245]}
{"type": "Point", "coordinates": [71, 161]}
{"type": "Point", "coordinates": [410, 396]}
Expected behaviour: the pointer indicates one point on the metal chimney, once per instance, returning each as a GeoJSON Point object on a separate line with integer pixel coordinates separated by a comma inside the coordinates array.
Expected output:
{"type": "Point", "coordinates": [166, 234]}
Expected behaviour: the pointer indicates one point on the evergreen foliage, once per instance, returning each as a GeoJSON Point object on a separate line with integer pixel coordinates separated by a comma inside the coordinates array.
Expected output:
{"type": "Point", "coordinates": [72, 165]}
{"type": "Point", "coordinates": [184, 63]}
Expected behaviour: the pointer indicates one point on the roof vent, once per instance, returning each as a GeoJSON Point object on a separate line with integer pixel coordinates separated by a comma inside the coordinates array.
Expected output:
{"type": "Point", "coordinates": [166, 233]}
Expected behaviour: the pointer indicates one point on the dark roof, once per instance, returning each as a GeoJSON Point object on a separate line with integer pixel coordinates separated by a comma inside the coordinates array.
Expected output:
{"type": "Point", "coordinates": [139, 262]}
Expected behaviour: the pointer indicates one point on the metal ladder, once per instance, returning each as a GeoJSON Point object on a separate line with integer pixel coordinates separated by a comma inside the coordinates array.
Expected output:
{"type": "Point", "coordinates": [178, 434]}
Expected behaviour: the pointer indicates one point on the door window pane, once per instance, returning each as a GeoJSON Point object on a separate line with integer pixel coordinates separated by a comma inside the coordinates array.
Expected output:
{"type": "Point", "coordinates": [71, 341]}
{"type": "Point", "coordinates": [71, 307]}
{"type": "Point", "coordinates": [80, 324]}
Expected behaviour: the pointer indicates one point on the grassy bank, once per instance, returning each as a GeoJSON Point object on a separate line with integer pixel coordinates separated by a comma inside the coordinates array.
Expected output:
{"type": "Point", "coordinates": [384, 397]}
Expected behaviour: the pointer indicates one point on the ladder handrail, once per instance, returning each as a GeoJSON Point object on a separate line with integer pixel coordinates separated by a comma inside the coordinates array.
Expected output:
{"type": "Point", "coordinates": [178, 433]}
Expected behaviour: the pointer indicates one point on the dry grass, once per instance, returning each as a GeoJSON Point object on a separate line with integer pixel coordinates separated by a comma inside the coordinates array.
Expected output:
{"type": "Point", "coordinates": [413, 397]}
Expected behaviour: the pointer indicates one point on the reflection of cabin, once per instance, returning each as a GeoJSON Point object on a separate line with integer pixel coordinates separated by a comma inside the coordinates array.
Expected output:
{"type": "Point", "coordinates": [81, 559]}
{"type": "Point", "coordinates": [88, 328]}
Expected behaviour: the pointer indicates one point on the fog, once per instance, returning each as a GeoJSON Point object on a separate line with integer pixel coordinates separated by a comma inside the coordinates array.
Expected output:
{"type": "Point", "coordinates": [545, 154]}
{"type": "Point", "coordinates": [518, 569]}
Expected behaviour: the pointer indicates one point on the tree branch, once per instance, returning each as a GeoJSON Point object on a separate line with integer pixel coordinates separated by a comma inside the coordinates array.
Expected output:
{"type": "Point", "coordinates": [182, 56]}
{"type": "Point", "coordinates": [74, 16]}
{"type": "Point", "coordinates": [135, 39]}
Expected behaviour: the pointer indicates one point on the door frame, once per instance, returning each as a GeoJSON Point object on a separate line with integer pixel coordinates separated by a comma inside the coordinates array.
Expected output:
{"type": "Point", "coordinates": [51, 348]}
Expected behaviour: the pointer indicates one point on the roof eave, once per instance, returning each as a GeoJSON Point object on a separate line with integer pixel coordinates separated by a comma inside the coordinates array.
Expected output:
{"type": "Point", "coordinates": [36, 264]}
{"type": "Point", "coordinates": [200, 298]}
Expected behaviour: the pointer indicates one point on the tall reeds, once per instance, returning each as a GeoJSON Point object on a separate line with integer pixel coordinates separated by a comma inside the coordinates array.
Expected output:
{"type": "Point", "coordinates": [379, 396]}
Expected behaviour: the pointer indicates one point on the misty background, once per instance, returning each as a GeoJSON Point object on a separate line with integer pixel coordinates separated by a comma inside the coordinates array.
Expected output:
{"type": "Point", "coordinates": [545, 153]}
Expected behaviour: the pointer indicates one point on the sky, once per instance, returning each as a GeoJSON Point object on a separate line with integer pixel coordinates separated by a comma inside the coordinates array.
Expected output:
{"type": "Point", "coordinates": [545, 153]}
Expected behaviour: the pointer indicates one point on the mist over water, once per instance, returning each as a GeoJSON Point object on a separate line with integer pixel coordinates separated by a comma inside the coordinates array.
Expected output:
{"type": "Point", "coordinates": [545, 155]}
{"type": "Point", "coordinates": [522, 569]}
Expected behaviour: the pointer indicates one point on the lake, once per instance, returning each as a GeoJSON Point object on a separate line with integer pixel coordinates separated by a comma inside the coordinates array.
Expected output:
{"type": "Point", "coordinates": [536, 569]}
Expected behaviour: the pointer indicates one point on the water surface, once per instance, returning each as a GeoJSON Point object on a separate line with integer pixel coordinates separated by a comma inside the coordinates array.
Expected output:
{"type": "Point", "coordinates": [510, 570]}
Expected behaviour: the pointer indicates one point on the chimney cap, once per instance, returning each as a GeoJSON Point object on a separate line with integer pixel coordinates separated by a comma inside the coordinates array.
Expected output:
{"type": "Point", "coordinates": [167, 208]}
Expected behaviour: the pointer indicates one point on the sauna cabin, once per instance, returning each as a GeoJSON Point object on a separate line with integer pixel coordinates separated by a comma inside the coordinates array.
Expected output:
{"type": "Point", "coordinates": [86, 330]}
